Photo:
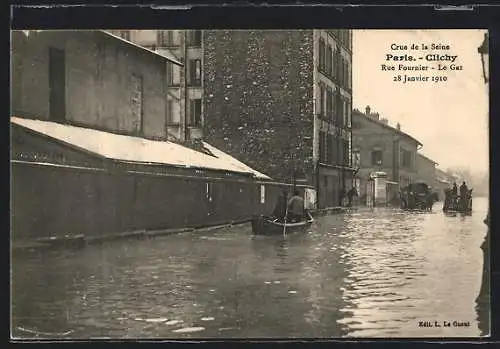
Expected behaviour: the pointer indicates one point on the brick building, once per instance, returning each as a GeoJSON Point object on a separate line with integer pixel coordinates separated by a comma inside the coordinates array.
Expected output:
{"type": "Point", "coordinates": [184, 83]}
{"type": "Point", "coordinates": [89, 145]}
{"type": "Point", "coordinates": [280, 101]}
{"type": "Point", "coordinates": [381, 148]}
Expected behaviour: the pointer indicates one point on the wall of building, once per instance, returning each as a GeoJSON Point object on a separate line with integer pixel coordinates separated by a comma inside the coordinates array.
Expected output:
{"type": "Point", "coordinates": [99, 76]}
{"type": "Point", "coordinates": [426, 169]}
{"type": "Point", "coordinates": [94, 202]}
{"type": "Point", "coordinates": [80, 193]}
{"type": "Point", "coordinates": [178, 45]}
{"type": "Point", "coordinates": [333, 99]}
{"type": "Point", "coordinates": [259, 98]}
{"type": "Point", "coordinates": [369, 136]}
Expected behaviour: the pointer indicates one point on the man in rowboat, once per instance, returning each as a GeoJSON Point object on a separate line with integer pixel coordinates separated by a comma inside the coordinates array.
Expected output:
{"type": "Point", "coordinates": [280, 209]}
{"type": "Point", "coordinates": [296, 207]}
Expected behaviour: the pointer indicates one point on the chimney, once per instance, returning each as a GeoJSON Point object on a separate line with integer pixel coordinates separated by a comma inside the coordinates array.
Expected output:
{"type": "Point", "coordinates": [398, 126]}
{"type": "Point", "coordinates": [376, 116]}
{"type": "Point", "coordinates": [367, 110]}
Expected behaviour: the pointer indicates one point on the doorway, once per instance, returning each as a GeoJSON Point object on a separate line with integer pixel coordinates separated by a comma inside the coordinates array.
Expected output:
{"type": "Point", "coordinates": [57, 85]}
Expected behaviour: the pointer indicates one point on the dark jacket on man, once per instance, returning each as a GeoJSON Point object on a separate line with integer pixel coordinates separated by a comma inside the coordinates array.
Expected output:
{"type": "Point", "coordinates": [280, 209]}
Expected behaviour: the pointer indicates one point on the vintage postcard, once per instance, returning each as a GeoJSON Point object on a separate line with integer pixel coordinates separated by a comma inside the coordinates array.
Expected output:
{"type": "Point", "coordinates": [314, 183]}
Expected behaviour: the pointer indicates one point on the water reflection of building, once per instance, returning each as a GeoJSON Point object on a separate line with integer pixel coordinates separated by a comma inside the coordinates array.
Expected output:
{"type": "Point", "coordinates": [379, 147]}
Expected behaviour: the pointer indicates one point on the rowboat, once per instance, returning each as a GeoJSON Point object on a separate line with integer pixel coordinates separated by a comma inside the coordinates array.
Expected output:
{"type": "Point", "coordinates": [262, 225]}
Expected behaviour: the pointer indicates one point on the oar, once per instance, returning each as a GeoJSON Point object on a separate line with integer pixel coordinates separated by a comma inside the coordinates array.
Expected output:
{"type": "Point", "coordinates": [286, 215]}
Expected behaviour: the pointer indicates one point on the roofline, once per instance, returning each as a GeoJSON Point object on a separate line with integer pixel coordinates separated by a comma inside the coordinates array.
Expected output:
{"type": "Point", "coordinates": [97, 156]}
{"type": "Point", "coordinates": [141, 47]}
{"type": "Point", "coordinates": [427, 158]}
{"type": "Point", "coordinates": [377, 122]}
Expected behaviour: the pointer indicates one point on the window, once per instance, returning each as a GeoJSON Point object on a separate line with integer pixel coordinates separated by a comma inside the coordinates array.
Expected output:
{"type": "Point", "coordinates": [329, 103]}
{"type": "Point", "coordinates": [337, 64]}
{"type": "Point", "coordinates": [331, 54]}
{"type": "Point", "coordinates": [195, 112]}
{"type": "Point", "coordinates": [356, 159]}
{"type": "Point", "coordinates": [330, 149]}
{"type": "Point", "coordinates": [376, 158]}
{"type": "Point", "coordinates": [195, 72]}
{"type": "Point", "coordinates": [340, 152]}
{"type": "Point", "coordinates": [262, 194]}
{"type": "Point", "coordinates": [164, 38]}
{"type": "Point", "coordinates": [329, 60]}
{"type": "Point", "coordinates": [349, 114]}
{"type": "Point", "coordinates": [57, 84]}
{"type": "Point", "coordinates": [339, 110]}
{"type": "Point", "coordinates": [194, 38]}
{"type": "Point", "coordinates": [341, 70]}
{"type": "Point", "coordinates": [322, 153]}
{"type": "Point", "coordinates": [406, 158]}
{"type": "Point", "coordinates": [173, 74]}
{"type": "Point", "coordinates": [322, 54]}
{"type": "Point", "coordinates": [346, 75]}
{"type": "Point", "coordinates": [125, 34]}
{"type": "Point", "coordinates": [322, 93]}
{"type": "Point", "coordinates": [346, 158]}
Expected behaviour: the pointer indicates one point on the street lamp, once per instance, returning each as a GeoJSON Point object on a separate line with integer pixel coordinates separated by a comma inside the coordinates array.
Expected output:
{"type": "Point", "coordinates": [484, 52]}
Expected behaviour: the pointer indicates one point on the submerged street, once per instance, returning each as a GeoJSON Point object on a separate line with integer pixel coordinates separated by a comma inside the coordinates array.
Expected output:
{"type": "Point", "coordinates": [365, 273]}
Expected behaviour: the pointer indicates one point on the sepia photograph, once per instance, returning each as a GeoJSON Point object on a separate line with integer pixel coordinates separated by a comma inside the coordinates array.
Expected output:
{"type": "Point", "coordinates": [293, 183]}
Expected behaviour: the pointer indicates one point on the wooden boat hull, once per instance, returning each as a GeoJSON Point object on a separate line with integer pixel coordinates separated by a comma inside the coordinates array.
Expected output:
{"type": "Point", "coordinates": [266, 226]}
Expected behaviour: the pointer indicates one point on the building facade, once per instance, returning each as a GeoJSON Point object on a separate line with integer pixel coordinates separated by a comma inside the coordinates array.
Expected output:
{"type": "Point", "coordinates": [89, 79]}
{"type": "Point", "coordinates": [184, 84]}
{"type": "Point", "coordinates": [280, 101]}
{"type": "Point", "coordinates": [90, 149]}
{"type": "Point", "coordinates": [380, 148]}
{"type": "Point", "coordinates": [426, 170]}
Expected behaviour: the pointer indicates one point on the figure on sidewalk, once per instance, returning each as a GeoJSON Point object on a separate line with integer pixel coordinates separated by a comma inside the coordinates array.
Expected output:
{"type": "Point", "coordinates": [350, 195]}
{"type": "Point", "coordinates": [464, 196]}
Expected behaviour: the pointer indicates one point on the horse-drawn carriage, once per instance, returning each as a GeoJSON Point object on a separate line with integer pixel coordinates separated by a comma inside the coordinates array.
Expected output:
{"type": "Point", "coordinates": [454, 203]}
{"type": "Point", "coordinates": [418, 196]}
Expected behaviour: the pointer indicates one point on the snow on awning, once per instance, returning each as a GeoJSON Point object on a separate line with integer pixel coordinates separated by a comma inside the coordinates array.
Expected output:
{"type": "Point", "coordinates": [136, 149]}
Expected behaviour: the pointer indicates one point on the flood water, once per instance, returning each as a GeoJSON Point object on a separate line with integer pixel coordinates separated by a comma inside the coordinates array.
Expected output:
{"type": "Point", "coordinates": [368, 273]}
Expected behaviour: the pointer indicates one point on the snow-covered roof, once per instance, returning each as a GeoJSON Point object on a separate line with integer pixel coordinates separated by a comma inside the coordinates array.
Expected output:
{"type": "Point", "coordinates": [136, 149]}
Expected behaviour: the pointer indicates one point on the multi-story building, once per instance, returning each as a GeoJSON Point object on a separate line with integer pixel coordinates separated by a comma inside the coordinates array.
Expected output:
{"type": "Point", "coordinates": [280, 100]}
{"type": "Point", "coordinates": [185, 84]}
{"type": "Point", "coordinates": [380, 148]}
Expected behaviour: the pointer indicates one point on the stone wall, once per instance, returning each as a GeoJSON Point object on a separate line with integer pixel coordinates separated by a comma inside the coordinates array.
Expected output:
{"type": "Point", "coordinates": [259, 98]}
